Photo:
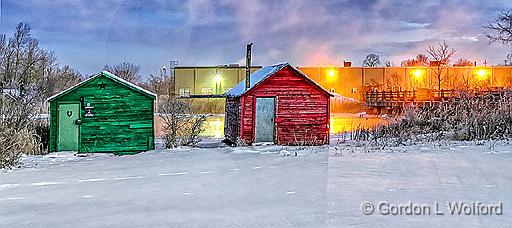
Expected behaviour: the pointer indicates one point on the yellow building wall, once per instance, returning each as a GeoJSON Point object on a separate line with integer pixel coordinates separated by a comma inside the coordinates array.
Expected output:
{"type": "Point", "coordinates": [218, 80]}
{"type": "Point", "coordinates": [502, 77]}
{"type": "Point", "coordinates": [184, 79]}
{"type": "Point", "coordinates": [353, 81]}
{"type": "Point", "coordinates": [395, 79]}
{"type": "Point", "coordinates": [374, 77]}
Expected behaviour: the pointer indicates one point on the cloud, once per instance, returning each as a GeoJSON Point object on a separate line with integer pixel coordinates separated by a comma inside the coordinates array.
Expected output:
{"type": "Point", "coordinates": [210, 32]}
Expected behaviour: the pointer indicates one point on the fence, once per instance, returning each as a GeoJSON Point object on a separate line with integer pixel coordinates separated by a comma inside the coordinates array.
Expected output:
{"type": "Point", "coordinates": [393, 99]}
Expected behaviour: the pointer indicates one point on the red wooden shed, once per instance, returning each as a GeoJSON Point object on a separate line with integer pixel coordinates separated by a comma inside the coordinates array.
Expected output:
{"type": "Point", "coordinates": [281, 105]}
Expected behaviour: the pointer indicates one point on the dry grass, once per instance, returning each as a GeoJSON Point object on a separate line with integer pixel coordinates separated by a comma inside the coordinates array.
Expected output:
{"type": "Point", "coordinates": [19, 132]}
{"type": "Point", "coordinates": [467, 117]}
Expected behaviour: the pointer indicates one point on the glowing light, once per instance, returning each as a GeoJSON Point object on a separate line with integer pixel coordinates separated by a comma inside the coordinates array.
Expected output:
{"type": "Point", "coordinates": [331, 73]}
{"type": "Point", "coordinates": [482, 74]}
{"type": "Point", "coordinates": [418, 73]}
{"type": "Point", "coordinates": [217, 78]}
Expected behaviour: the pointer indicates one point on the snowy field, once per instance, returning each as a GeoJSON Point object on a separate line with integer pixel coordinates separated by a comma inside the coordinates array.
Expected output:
{"type": "Point", "coordinates": [425, 174]}
{"type": "Point", "coordinates": [211, 187]}
{"type": "Point", "coordinates": [261, 186]}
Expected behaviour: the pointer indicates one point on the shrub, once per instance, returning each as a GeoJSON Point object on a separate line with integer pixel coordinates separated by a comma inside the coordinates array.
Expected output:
{"type": "Point", "coordinates": [19, 132]}
{"type": "Point", "coordinates": [180, 126]}
{"type": "Point", "coordinates": [484, 117]}
{"type": "Point", "coordinates": [42, 134]}
{"type": "Point", "coordinates": [13, 143]}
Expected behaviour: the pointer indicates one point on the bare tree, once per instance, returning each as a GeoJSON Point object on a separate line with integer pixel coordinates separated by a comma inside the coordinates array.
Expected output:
{"type": "Point", "coordinates": [508, 60]}
{"type": "Point", "coordinates": [440, 56]}
{"type": "Point", "coordinates": [181, 126]}
{"type": "Point", "coordinates": [420, 60]}
{"type": "Point", "coordinates": [125, 70]}
{"type": "Point", "coordinates": [59, 79]}
{"type": "Point", "coordinates": [24, 66]}
{"type": "Point", "coordinates": [393, 82]}
{"type": "Point", "coordinates": [159, 84]}
{"type": "Point", "coordinates": [371, 60]}
{"type": "Point", "coordinates": [461, 62]}
{"type": "Point", "coordinates": [500, 29]}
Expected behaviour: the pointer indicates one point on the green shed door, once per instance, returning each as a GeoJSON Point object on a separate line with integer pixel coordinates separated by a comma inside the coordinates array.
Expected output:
{"type": "Point", "coordinates": [68, 129]}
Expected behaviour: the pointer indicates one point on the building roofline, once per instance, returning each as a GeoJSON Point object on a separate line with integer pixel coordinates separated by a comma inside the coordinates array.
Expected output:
{"type": "Point", "coordinates": [338, 67]}
{"type": "Point", "coordinates": [237, 90]}
{"type": "Point", "coordinates": [209, 67]}
{"type": "Point", "coordinates": [397, 67]}
{"type": "Point", "coordinates": [108, 75]}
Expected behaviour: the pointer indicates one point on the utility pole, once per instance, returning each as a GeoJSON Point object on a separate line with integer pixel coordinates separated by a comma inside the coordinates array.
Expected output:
{"type": "Point", "coordinates": [172, 65]}
{"type": "Point", "coordinates": [248, 66]}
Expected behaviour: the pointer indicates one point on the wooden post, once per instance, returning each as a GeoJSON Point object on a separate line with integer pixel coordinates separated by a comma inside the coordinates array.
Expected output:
{"type": "Point", "coordinates": [248, 66]}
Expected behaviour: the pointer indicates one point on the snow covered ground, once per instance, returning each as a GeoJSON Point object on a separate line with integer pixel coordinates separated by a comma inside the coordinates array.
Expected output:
{"type": "Point", "coordinates": [265, 186]}
{"type": "Point", "coordinates": [442, 173]}
{"type": "Point", "coordinates": [261, 186]}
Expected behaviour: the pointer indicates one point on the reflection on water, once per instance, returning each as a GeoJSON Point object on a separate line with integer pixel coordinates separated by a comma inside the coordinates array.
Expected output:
{"type": "Point", "coordinates": [339, 123]}
{"type": "Point", "coordinates": [214, 127]}
{"type": "Point", "coordinates": [348, 122]}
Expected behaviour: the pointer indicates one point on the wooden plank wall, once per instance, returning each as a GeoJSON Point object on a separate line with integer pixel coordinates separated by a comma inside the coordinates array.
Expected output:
{"type": "Point", "coordinates": [123, 120]}
{"type": "Point", "coordinates": [301, 109]}
{"type": "Point", "coordinates": [232, 119]}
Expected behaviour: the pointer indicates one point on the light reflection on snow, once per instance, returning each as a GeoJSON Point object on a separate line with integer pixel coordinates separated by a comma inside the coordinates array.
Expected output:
{"type": "Point", "coordinates": [339, 123]}
{"type": "Point", "coordinates": [172, 174]}
{"type": "Point", "coordinates": [93, 180]}
{"type": "Point", "coordinates": [45, 183]}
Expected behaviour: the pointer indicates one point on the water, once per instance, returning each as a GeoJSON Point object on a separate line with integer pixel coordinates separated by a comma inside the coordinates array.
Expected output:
{"type": "Point", "coordinates": [348, 122]}
{"type": "Point", "coordinates": [339, 123]}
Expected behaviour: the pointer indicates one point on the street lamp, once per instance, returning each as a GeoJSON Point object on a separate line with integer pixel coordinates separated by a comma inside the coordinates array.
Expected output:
{"type": "Point", "coordinates": [418, 74]}
{"type": "Point", "coordinates": [218, 82]}
{"type": "Point", "coordinates": [481, 74]}
{"type": "Point", "coordinates": [331, 74]}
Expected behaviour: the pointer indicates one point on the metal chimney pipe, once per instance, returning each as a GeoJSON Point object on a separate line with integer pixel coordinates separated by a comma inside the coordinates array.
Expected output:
{"type": "Point", "coordinates": [248, 66]}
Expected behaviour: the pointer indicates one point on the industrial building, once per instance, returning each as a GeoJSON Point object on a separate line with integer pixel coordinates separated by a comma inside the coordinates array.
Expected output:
{"type": "Point", "coordinates": [207, 80]}
{"type": "Point", "coordinates": [351, 82]}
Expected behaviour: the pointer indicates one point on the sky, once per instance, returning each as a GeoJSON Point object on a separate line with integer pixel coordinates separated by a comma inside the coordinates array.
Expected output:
{"type": "Point", "coordinates": [87, 34]}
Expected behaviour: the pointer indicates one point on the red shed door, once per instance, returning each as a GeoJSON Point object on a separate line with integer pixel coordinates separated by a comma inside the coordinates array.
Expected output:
{"type": "Point", "coordinates": [264, 124]}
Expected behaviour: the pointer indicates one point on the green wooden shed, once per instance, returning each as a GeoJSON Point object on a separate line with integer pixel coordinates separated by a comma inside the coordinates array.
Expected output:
{"type": "Point", "coordinates": [102, 114]}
